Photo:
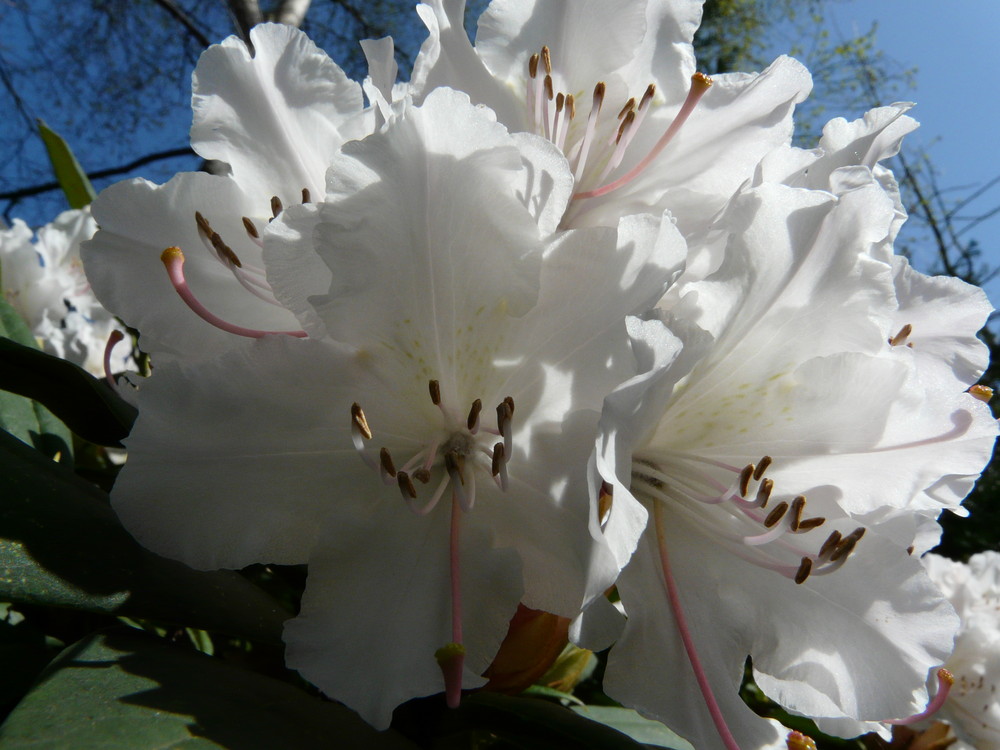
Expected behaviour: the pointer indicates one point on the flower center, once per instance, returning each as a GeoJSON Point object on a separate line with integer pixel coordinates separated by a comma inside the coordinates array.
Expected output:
{"type": "Point", "coordinates": [736, 513]}
{"type": "Point", "coordinates": [451, 456]}
{"type": "Point", "coordinates": [597, 148]}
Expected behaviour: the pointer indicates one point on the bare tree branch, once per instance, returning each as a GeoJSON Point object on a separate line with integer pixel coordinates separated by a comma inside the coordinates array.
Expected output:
{"type": "Point", "coordinates": [185, 20]}
{"type": "Point", "coordinates": [291, 12]}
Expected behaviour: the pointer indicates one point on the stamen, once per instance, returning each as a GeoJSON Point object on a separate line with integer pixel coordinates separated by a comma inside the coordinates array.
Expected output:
{"type": "Point", "coordinates": [451, 658]}
{"type": "Point", "coordinates": [276, 206]}
{"type": "Point", "coordinates": [673, 599]}
{"type": "Point", "coordinates": [547, 60]}
{"type": "Point", "coordinates": [762, 466]}
{"type": "Point", "coordinates": [900, 338]}
{"type": "Point", "coordinates": [560, 103]}
{"type": "Point", "coordinates": [809, 524]}
{"type": "Point", "coordinates": [945, 680]}
{"type": "Point", "coordinates": [647, 96]}
{"type": "Point", "coordinates": [745, 475]}
{"type": "Point", "coordinates": [223, 250]}
{"type": "Point", "coordinates": [798, 505]}
{"type": "Point", "coordinates": [388, 469]}
{"type": "Point", "coordinates": [805, 568]}
{"type": "Point", "coordinates": [306, 196]}
{"type": "Point", "coordinates": [533, 65]}
{"type": "Point", "coordinates": [588, 137]}
{"type": "Point", "coordinates": [422, 475]}
{"type": "Point", "coordinates": [846, 547]}
{"type": "Point", "coordinates": [173, 259]}
{"type": "Point", "coordinates": [499, 466]}
{"type": "Point", "coordinates": [115, 337]}
{"type": "Point", "coordinates": [700, 83]}
{"type": "Point", "coordinates": [764, 492]}
{"type": "Point", "coordinates": [435, 388]}
{"type": "Point", "coordinates": [473, 420]}
{"type": "Point", "coordinates": [406, 486]}
{"type": "Point", "coordinates": [251, 228]}
{"type": "Point", "coordinates": [359, 421]}
{"type": "Point", "coordinates": [776, 514]}
{"type": "Point", "coordinates": [629, 106]}
{"type": "Point", "coordinates": [830, 544]}
{"type": "Point", "coordinates": [549, 95]}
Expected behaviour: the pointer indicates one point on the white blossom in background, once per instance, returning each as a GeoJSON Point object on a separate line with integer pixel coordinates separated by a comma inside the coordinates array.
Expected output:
{"type": "Point", "coordinates": [973, 704]}
{"type": "Point", "coordinates": [778, 429]}
{"type": "Point", "coordinates": [276, 119]}
{"type": "Point", "coordinates": [613, 84]}
{"type": "Point", "coordinates": [430, 433]}
{"type": "Point", "coordinates": [43, 280]}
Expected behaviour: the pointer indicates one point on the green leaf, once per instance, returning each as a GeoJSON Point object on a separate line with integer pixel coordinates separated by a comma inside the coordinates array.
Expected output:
{"type": "Point", "coordinates": [532, 723]}
{"type": "Point", "coordinates": [87, 405]}
{"type": "Point", "coordinates": [131, 691]}
{"type": "Point", "coordinates": [629, 722]}
{"type": "Point", "coordinates": [70, 175]}
{"type": "Point", "coordinates": [62, 545]}
{"type": "Point", "coordinates": [27, 420]}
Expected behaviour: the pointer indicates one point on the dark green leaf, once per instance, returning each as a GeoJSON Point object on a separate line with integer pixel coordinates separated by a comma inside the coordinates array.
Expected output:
{"type": "Point", "coordinates": [69, 174]}
{"type": "Point", "coordinates": [87, 405]}
{"type": "Point", "coordinates": [131, 691]}
{"type": "Point", "coordinates": [62, 545]}
{"type": "Point", "coordinates": [28, 421]}
{"type": "Point", "coordinates": [629, 722]}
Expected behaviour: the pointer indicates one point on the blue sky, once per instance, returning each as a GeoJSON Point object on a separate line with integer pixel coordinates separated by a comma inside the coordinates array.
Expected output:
{"type": "Point", "coordinates": [954, 44]}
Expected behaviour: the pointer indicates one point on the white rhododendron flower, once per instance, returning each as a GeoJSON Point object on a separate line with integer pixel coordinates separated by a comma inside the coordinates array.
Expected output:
{"type": "Point", "coordinates": [43, 280]}
{"type": "Point", "coordinates": [424, 446]}
{"type": "Point", "coordinates": [778, 427]}
{"type": "Point", "coordinates": [276, 119]}
{"type": "Point", "coordinates": [973, 703]}
{"type": "Point", "coordinates": [612, 84]}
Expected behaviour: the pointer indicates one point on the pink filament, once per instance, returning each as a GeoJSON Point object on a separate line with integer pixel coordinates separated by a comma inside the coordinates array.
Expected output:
{"type": "Point", "coordinates": [113, 340]}
{"type": "Point", "coordinates": [453, 665]}
{"type": "Point", "coordinates": [675, 605]}
{"type": "Point", "coordinates": [173, 259]}
{"type": "Point", "coordinates": [699, 85]}
{"type": "Point", "coordinates": [945, 681]}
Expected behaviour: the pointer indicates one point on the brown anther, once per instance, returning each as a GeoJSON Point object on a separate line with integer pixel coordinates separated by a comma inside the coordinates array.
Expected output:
{"type": "Point", "coordinates": [358, 418]}
{"type": "Point", "coordinates": [604, 501]}
{"type": "Point", "coordinates": [762, 466]}
{"type": "Point", "coordinates": [599, 90]}
{"type": "Point", "coordinates": [497, 459]}
{"type": "Point", "coordinates": [406, 486]}
{"type": "Point", "coordinates": [453, 464]}
{"type": "Point", "coordinates": [805, 568]}
{"type": "Point", "coordinates": [546, 59]}
{"type": "Point", "coordinates": [560, 101]}
{"type": "Point", "coordinates": [276, 206]}
{"type": "Point", "coordinates": [503, 416]}
{"type": "Point", "coordinates": [251, 228]}
{"type": "Point", "coordinates": [701, 81]}
{"type": "Point", "coordinates": [306, 195]}
{"type": "Point", "coordinates": [203, 226]}
{"type": "Point", "coordinates": [848, 544]}
{"type": "Point", "coordinates": [909, 550]}
{"type": "Point", "coordinates": [549, 93]}
{"type": "Point", "coordinates": [900, 338]}
{"type": "Point", "coordinates": [983, 392]}
{"type": "Point", "coordinates": [473, 420]}
{"type": "Point", "coordinates": [435, 388]}
{"type": "Point", "coordinates": [533, 65]}
{"type": "Point", "coordinates": [830, 544]}
{"type": "Point", "coordinates": [776, 514]}
{"type": "Point", "coordinates": [809, 524]}
{"type": "Point", "coordinates": [422, 475]}
{"type": "Point", "coordinates": [745, 475]}
{"type": "Point", "coordinates": [650, 91]}
{"type": "Point", "coordinates": [798, 505]}
{"type": "Point", "coordinates": [386, 461]}
{"type": "Point", "coordinates": [224, 250]}
{"type": "Point", "coordinates": [629, 106]}
{"type": "Point", "coordinates": [510, 404]}
{"type": "Point", "coordinates": [570, 106]}
{"type": "Point", "coordinates": [626, 124]}
{"type": "Point", "coordinates": [764, 492]}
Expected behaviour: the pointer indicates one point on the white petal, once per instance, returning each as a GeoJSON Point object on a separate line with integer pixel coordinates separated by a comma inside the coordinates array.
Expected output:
{"type": "Point", "coordinates": [368, 638]}
{"type": "Point", "coordinates": [276, 118]}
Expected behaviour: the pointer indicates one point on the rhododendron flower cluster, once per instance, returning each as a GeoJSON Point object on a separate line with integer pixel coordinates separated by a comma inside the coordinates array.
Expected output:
{"type": "Point", "coordinates": [558, 314]}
